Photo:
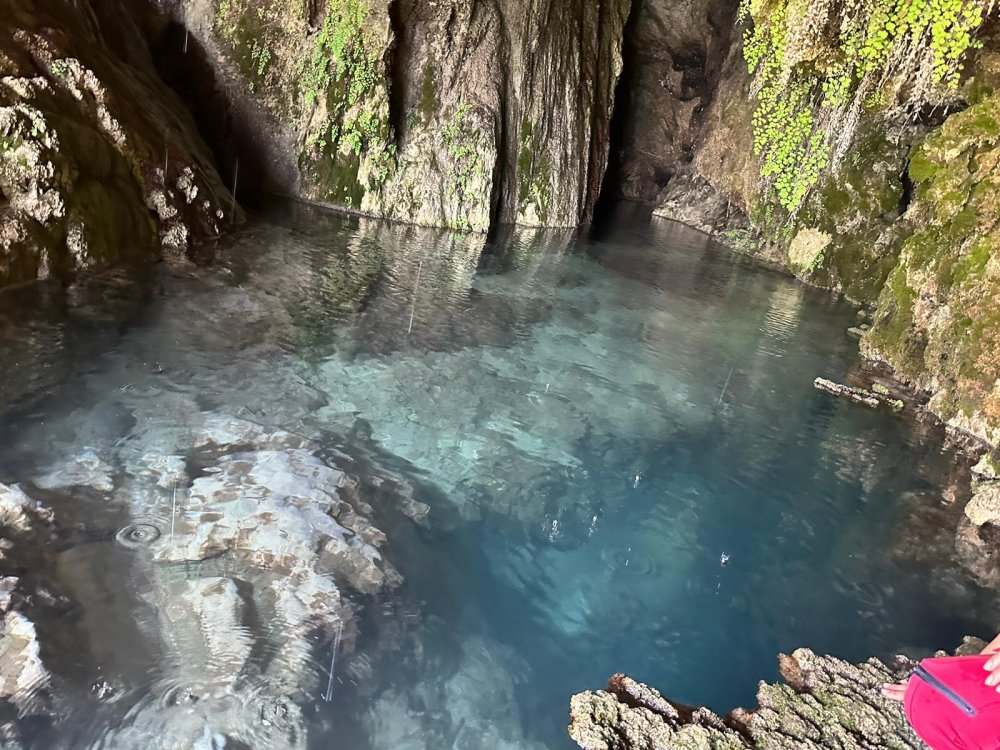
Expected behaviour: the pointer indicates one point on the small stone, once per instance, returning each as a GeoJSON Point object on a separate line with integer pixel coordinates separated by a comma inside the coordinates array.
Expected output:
{"type": "Point", "coordinates": [986, 468]}
{"type": "Point", "coordinates": [984, 507]}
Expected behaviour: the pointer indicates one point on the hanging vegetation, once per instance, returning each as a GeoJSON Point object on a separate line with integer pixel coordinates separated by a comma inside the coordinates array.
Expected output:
{"type": "Point", "coordinates": [818, 65]}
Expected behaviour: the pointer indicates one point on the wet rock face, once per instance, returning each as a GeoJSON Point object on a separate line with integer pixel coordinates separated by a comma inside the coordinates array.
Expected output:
{"type": "Point", "coordinates": [691, 200]}
{"type": "Point", "coordinates": [826, 703]}
{"type": "Point", "coordinates": [937, 318]}
{"type": "Point", "coordinates": [99, 161]}
{"type": "Point", "coordinates": [456, 114]}
{"type": "Point", "coordinates": [977, 538]}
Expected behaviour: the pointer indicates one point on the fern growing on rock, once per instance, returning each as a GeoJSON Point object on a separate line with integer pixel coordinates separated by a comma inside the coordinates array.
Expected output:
{"type": "Point", "coordinates": [819, 65]}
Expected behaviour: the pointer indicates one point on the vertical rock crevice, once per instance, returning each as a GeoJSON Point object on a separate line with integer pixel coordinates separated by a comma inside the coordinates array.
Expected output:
{"type": "Point", "coordinates": [503, 205]}
{"type": "Point", "coordinates": [607, 190]}
{"type": "Point", "coordinates": [399, 54]}
{"type": "Point", "coordinates": [673, 64]}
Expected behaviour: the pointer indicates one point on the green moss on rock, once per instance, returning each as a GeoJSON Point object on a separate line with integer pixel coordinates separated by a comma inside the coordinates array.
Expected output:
{"type": "Point", "coordinates": [429, 101]}
{"type": "Point", "coordinates": [534, 177]}
{"type": "Point", "coordinates": [248, 28]}
{"type": "Point", "coordinates": [938, 320]}
{"type": "Point", "coordinates": [857, 207]}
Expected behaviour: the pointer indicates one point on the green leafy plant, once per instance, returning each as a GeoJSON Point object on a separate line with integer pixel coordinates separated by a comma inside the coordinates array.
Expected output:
{"type": "Point", "coordinates": [339, 54]}
{"type": "Point", "coordinates": [343, 72]}
{"type": "Point", "coordinates": [816, 64]}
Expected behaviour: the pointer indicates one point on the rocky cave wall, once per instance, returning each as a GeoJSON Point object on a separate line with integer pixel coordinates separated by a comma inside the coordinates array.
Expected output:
{"type": "Point", "coordinates": [463, 114]}
{"type": "Point", "coordinates": [99, 159]}
{"type": "Point", "coordinates": [674, 56]}
{"type": "Point", "coordinates": [904, 225]}
{"type": "Point", "coordinates": [124, 123]}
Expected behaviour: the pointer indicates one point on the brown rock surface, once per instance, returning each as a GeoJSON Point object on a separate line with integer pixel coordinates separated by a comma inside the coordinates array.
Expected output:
{"type": "Point", "coordinates": [825, 703]}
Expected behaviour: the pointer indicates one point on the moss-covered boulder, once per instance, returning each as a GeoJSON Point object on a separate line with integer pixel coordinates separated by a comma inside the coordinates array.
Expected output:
{"type": "Point", "coordinates": [857, 207]}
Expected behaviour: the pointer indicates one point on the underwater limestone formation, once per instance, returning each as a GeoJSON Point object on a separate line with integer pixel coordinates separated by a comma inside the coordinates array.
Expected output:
{"type": "Point", "coordinates": [24, 680]}
{"type": "Point", "coordinates": [471, 706]}
{"type": "Point", "coordinates": [249, 545]}
{"type": "Point", "coordinates": [454, 114]}
{"type": "Point", "coordinates": [99, 160]}
{"type": "Point", "coordinates": [825, 703]}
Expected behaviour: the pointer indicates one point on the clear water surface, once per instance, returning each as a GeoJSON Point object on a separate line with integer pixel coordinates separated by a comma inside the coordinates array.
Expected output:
{"type": "Point", "coordinates": [626, 466]}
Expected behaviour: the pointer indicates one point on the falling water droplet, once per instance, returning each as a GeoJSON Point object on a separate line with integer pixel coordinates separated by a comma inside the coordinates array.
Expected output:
{"type": "Point", "coordinates": [137, 535]}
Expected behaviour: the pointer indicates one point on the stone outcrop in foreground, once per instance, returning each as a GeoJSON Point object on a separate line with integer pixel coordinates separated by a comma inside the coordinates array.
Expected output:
{"type": "Point", "coordinates": [825, 703]}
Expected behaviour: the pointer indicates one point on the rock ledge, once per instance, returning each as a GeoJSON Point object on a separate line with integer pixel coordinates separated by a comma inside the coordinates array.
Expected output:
{"type": "Point", "coordinates": [825, 703]}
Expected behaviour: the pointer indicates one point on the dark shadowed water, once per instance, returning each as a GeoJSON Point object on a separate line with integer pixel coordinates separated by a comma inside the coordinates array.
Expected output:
{"type": "Point", "coordinates": [626, 463]}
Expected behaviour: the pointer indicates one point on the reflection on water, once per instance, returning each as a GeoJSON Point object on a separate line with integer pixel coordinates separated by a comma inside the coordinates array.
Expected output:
{"type": "Point", "coordinates": [373, 486]}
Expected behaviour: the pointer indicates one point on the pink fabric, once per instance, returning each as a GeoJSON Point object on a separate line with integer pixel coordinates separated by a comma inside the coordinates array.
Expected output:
{"type": "Point", "coordinates": [939, 721]}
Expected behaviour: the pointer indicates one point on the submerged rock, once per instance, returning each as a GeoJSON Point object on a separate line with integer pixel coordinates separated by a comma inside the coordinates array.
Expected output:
{"type": "Point", "coordinates": [469, 707]}
{"type": "Point", "coordinates": [250, 552]}
{"type": "Point", "coordinates": [24, 679]}
{"type": "Point", "coordinates": [85, 470]}
{"type": "Point", "coordinates": [826, 703]}
{"type": "Point", "coordinates": [20, 516]}
{"type": "Point", "coordinates": [22, 673]}
{"type": "Point", "coordinates": [281, 511]}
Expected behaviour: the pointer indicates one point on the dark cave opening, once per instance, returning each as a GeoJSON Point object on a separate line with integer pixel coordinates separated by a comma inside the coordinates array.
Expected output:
{"type": "Point", "coordinates": [399, 54]}
{"type": "Point", "coordinates": [906, 197]}
{"type": "Point", "coordinates": [693, 67]}
{"type": "Point", "coordinates": [184, 65]}
{"type": "Point", "coordinates": [610, 197]}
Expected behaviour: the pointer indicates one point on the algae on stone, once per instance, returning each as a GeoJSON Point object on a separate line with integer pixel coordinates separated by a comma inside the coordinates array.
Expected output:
{"type": "Point", "coordinates": [418, 120]}
{"type": "Point", "coordinates": [938, 318]}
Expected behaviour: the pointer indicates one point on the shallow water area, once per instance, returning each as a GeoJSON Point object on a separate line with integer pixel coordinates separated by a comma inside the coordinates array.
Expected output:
{"type": "Point", "coordinates": [372, 486]}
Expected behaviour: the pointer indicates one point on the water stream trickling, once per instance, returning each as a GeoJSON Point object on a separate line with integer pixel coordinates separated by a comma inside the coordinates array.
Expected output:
{"type": "Point", "coordinates": [578, 457]}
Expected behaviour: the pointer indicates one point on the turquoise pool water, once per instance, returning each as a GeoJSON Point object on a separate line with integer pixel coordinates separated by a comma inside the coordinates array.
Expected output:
{"type": "Point", "coordinates": [625, 464]}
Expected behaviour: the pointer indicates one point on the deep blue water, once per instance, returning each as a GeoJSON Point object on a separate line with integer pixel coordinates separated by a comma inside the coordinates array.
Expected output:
{"type": "Point", "coordinates": [626, 463]}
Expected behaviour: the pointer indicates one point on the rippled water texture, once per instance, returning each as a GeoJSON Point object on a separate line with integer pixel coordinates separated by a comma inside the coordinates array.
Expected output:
{"type": "Point", "coordinates": [367, 486]}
